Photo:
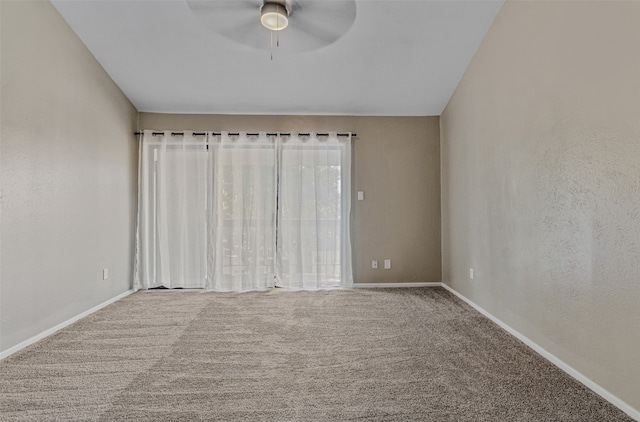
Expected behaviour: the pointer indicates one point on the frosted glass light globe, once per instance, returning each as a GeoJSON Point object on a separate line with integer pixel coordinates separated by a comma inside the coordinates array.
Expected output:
{"type": "Point", "coordinates": [274, 16]}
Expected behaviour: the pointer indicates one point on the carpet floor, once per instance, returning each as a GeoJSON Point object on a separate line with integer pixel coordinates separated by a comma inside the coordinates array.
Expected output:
{"type": "Point", "coordinates": [362, 354]}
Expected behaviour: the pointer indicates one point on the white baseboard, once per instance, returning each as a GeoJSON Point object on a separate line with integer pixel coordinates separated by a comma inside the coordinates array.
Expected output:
{"type": "Point", "coordinates": [620, 404]}
{"type": "Point", "coordinates": [392, 285]}
{"type": "Point", "coordinates": [60, 326]}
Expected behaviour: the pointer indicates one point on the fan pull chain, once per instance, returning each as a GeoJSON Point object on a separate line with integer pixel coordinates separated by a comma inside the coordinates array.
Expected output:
{"type": "Point", "coordinates": [277, 28]}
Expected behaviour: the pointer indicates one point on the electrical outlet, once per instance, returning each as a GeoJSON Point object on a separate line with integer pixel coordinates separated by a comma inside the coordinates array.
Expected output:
{"type": "Point", "coordinates": [105, 273]}
{"type": "Point", "coordinates": [387, 264]}
{"type": "Point", "coordinates": [374, 264]}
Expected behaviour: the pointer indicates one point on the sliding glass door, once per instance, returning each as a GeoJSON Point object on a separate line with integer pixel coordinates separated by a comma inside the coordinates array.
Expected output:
{"type": "Point", "coordinates": [236, 212]}
{"type": "Point", "coordinates": [313, 214]}
{"type": "Point", "coordinates": [244, 211]}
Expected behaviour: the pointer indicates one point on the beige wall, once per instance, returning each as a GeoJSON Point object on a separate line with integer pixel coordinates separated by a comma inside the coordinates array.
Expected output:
{"type": "Point", "coordinates": [541, 183]}
{"type": "Point", "coordinates": [68, 175]}
{"type": "Point", "coordinates": [396, 163]}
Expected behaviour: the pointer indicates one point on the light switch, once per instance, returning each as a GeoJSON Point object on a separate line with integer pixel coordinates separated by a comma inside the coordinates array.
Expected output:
{"type": "Point", "coordinates": [374, 264]}
{"type": "Point", "coordinates": [360, 196]}
{"type": "Point", "coordinates": [387, 264]}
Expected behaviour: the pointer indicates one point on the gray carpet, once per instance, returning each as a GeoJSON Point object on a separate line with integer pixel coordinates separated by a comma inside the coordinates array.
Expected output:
{"type": "Point", "coordinates": [379, 354]}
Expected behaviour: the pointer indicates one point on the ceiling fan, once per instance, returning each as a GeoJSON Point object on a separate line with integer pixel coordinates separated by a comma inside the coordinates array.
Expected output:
{"type": "Point", "coordinates": [295, 25]}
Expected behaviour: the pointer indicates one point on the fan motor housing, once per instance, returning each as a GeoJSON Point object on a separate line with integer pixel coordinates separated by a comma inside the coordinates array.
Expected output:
{"type": "Point", "coordinates": [274, 15]}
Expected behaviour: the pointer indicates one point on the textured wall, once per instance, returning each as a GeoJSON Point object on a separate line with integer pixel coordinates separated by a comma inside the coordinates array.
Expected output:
{"type": "Point", "coordinates": [541, 183]}
{"type": "Point", "coordinates": [68, 175]}
{"type": "Point", "coordinates": [396, 163]}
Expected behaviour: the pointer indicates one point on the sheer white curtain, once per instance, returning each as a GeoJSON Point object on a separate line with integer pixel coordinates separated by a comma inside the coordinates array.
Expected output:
{"type": "Point", "coordinates": [314, 203]}
{"type": "Point", "coordinates": [172, 228]}
{"type": "Point", "coordinates": [244, 212]}
{"type": "Point", "coordinates": [237, 212]}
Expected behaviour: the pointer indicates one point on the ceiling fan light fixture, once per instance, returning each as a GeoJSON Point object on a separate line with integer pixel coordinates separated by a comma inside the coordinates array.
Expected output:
{"type": "Point", "coordinates": [274, 16]}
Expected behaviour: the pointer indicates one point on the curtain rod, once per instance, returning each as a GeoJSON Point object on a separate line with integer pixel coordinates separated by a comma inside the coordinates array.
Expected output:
{"type": "Point", "coordinates": [248, 134]}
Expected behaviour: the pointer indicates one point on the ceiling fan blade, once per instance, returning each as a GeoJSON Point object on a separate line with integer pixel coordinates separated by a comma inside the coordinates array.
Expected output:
{"type": "Point", "coordinates": [223, 16]}
{"type": "Point", "coordinates": [222, 5]}
{"type": "Point", "coordinates": [248, 34]}
{"type": "Point", "coordinates": [296, 40]}
{"type": "Point", "coordinates": [338, 14]}
{"type": "Point", "coordinates": [327, 21]}
{"type": "Point", "coordinates": [325, 34]}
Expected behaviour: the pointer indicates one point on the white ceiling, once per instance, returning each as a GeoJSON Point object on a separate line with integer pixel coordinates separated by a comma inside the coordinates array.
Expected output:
{"type": "Point", "coordinates": [398, 58]}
